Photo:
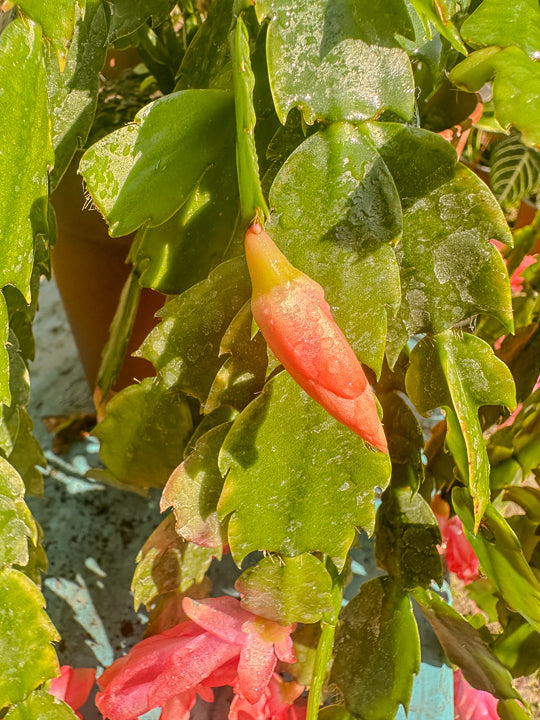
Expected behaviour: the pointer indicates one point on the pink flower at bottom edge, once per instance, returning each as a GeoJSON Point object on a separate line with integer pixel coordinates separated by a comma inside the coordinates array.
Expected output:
{"type": "Point", "coordinates": [73, 686]}
{"type": "Point", "coordinates": [472, 704]}
{"type": "Point", "coordinates": [276, 703]}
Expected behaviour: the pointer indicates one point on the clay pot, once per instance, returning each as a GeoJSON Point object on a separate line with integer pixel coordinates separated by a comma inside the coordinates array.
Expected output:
{"type": "Point", "coordinates": [90, 270]}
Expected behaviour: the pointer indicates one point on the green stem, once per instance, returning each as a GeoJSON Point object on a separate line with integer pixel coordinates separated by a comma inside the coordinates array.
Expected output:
{"type": "Point", "coordinates": [323, 654]}
{"type": "Point", "coordinates": [252, 202]}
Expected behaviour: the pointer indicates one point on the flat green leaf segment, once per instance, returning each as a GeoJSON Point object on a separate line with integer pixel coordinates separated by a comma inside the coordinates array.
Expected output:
{"type": "Point", "coordinates": [57, 20]}
{"type": "Point", "coordinates": [461, 373]}
{"type": "Point", "coordinates": [292, 492]}
{"type": "Point", "coordinates": [126, 16]}
{"type": "Point", "coordinates": [143, 435]}
{"type": "Point", "coordinates": [194, 488]}
{"type": "Point", "coordinates": [464, 646]}
{"type": "Point", "coordinates": [336, 213]}
{"type": "Point", "coordinates": [516, 86]}
{"type": "Point", "coordinates": [377, 651]}
{"type": "Point", "coordinates": [497, 22]}
{"type": "Point", "coordinates": [17, 526]}
{"type": "Point", "coordinates": [167, 562]}
{"type": "Point", "coordinates": [406, 538]}
{"type": "Point", "coordinates": [41, 705]}
{"type": "Point", "coordinates": [185, 346]}
{"type": "Point", "coordinates": [514, 171]}
{"type": "Point", "coordinates": [338, 61]}
{"type": "Point", "coordinates": [287, 590]}
{"type": "Point", "coordinates": [502, 559]}
{"type": "Point", "coordinates": [439, 13]}
{"type": "Point", "coordinates": [145, 171]}
{"type": "Point", "coordinates": [26, 152]}
{"type": "Point", "coordinates": [449, 269]}
{"type": "Point", "coordinates": [73, 92]}
{"type": "Point", "coordinates": [27, 657]}
{"type": "Point", "coordinates": [251, 197]}
{"type": "Point", "coordinates": [5, 393]}
{"type": "Point", "coordinates": [182, 251]}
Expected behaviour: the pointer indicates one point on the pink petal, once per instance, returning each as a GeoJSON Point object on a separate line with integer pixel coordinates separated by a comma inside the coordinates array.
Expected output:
{"type": "Point", "coordinates": [472, 704]}
{"type": "Point", "coordinates": [74, 685]}
{"type": "Point", "coordinates": [222, 616]}
{"type": "Point", "coordinates": [460, 557]}
{"type": "Point", "coordinates": [255, 668]}
{"type": "Point", "coordinates": [179, 706]}
{"type": "Point", "coordinates": [126, 704]}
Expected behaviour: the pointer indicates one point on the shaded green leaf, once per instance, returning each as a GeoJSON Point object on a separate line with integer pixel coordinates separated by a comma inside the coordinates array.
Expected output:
{"type": "Point", "coordinates": [194, 488]}
{"type": "Point", "coordinates": [243, 373]}
{"type": "Point", "coordinates": [406, 539]}
{"type": "Point", "coordinates": [126, 16]}
{"type": "Point", "coordinates": [464, 646]}
{"type": "Point", "coordinates": [461, 373]}
{"type": "Point", "coordinates": [501, 557]}
{"type": "Point", "coordinates": [516, 86]}
{"type": "Point", "coordinates": [26, 455]}
{"type": "Point", "coordinates": [518, 647]}
{"type": "Point", "coordinates": [145, 171]}
{"type": "Point", "coordinates": [26, 152]}
{"type": "Point", "coordinates": [185, 346]}
{"type": "Point", "coordinates": [528, 498]}
{"type": "Point", "coordinates": [449, 269]}
{"type": "Point", "coordinates": [17, 526]}
{"type": "Point", "coordinates": [73, 92]}
{"type": "Point", "coordinates": [497, 22]}
{"type": "Point", "coordinates": [439, 13]}
{"type": "Point", "coordinates": [287, 590]}
{"type": "Point", "coordinates": [143, 435]}
{"type": "Point", "coordinates": [5, 393]}
{"type": "Point", "coordinates": [41, 705]}
{"type": "Point", "coordinates": [339, 61]}
{"type": "Point", "coordinates": [57, 20]}
{"type": "Point", "coordinates": [405, 438]}
{"type": "Point", "coordinates": [296, 480]}
{"type": "Point", "coordinates": [182, 251]}
{"type": "Point", "coordinates": [27, 657]}
{"type": "Point", "coordinates": [377, 651]}
{"type": "Point", "coordinates": [514, 171]}
{"type": "Point", "coordinates": [167, 562]}
{"type": "Point", "coordinates": [336, 211]}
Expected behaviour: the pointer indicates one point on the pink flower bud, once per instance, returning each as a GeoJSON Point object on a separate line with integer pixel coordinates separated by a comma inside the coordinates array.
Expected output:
{"type": "Point", "coordinates": [296, 322]}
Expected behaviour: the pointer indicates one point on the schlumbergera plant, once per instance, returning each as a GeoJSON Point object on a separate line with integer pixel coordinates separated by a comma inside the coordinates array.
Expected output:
{"type": "Point", "coordinates": [331, 272]}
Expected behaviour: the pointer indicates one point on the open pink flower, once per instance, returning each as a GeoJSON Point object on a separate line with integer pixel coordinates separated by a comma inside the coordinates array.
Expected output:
{"type": "Point", "coordinates": [73, 686]}
{"type": "Point", "coordinates": [276, 703]}
{"type": "Point", "coordinates": [221, 644]}
{"type": "Point", "coordinates": [458, 553]}
{"type": "Point", "coordinates": [296, 321]}
{"type": "Point", "coordinates": [472, 704]}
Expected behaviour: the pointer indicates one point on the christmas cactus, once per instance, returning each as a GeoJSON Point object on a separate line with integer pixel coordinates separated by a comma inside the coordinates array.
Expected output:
{"type": "Point", "coordinates": [348, 346]}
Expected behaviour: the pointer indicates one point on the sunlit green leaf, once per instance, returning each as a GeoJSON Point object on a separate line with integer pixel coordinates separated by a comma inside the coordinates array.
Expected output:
{"type": "Point", "coordinates": [439, 13]}
{"type": "Point", "coordinates": [406, 539]}
{"type": "Point", "coordinates": [194, 488]}
{"type": "Point", "coordinates": [26, 152]}
{"type": "Point", "coordinates": [143, 434]}
{"type": "Point", "coordinates": [145, 171]}
{"type": "Point", "coordinates": [27, 657]}
{"type": "Point", "coordinates": [287, 590]}
{"type": "Point", "coordinates": [511, 710]}
{"type": "Point", "coordinates": [26, 454]}
{"type": "Point", "coordinates": [516, 86]}
{"type": "Point", "coordinates": [377, 651]}
{"type": "Point", "coordinates": [528, 498]}
{"type": "Point", "coordinates": [174, 256]}
{"type": "Point", "coordinates": [334, 63]}
{"type": "Point", "coordinates": [449, 269]}
{"type": "Point", "coordinates": [464, 646]}
{"type": "Point", "coordinates": [461, 373]}
{"type": "Point", "coordinates": [41, 705]}
{"type": "Point", "coordinates": [518, 647]}
{"type": "Point", "coordinates": [17, 526]}
{"type": "Point", "coordinates": [336, 213]}
{"type": "Point", "coordinates": [73, 92]}
{"type": "Point", "coordinates": [185, 346]}
{"type": "Point", "coordinates": [57, 20]}
{"type": "Point", "coordinates": [168, 562]}
{"type": "Point", "coordinates": [297, 480]}
{"type": "Point", "coordinates": [501, 557]}
{"type": "Point", "coordinates": [497, 22]}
